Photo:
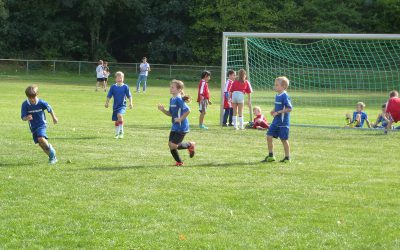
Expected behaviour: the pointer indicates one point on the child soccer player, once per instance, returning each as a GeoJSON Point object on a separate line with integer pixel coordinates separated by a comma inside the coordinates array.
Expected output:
{"type": "Point", "coordinates": [106, 75]}
{"type": "Point", "coordinates": [100, 75]}
{"type": "Point", "coordinates": [228, 110]}
{"type": "Point", "coordinates": [393, 109]}
{"type": "Point", "coordinates": [203, 97]}
{"type": "Point", "coordinates": [32, 110]}
{"type": "Point", "coordinates": [359, 117]}
{"type": "Point", "coordinates": [259, 122]}
{"type": "Point", "coordinates": [179, 111]}
{"type": "Point", "coordinates": [239, 88]}
{"type": "Point", "coordinates": [119, 91]}
{"type": "Point", "coordinates": [144, 68]}
{"type": "Point", "coordinates": [281, 123]}
{"type": "Point", "coordinates": [383, 119]}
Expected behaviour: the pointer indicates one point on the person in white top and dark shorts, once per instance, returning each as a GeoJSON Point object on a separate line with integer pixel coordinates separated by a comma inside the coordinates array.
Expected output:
{"type": "Point", "coordinates": [144, 72]}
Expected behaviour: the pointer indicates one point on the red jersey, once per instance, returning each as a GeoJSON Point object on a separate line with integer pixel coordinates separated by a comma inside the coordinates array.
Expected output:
{"type": "Point", "coordinates": [228, 85]}
{"type": "Point", "coordinates": [242, 87]}
{"type": "Point", "coordinates": [262, 123]}
{"type": "Point", "coordinates": [393, 108]}
{"type": "Point", "coordinates": [203, 93]}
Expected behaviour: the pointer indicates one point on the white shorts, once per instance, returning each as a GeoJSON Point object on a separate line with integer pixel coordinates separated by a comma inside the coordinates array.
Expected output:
{"type": "Point", "coordinates": [237, 97]}
{"type": "Point", "coordinates": [203, 105]}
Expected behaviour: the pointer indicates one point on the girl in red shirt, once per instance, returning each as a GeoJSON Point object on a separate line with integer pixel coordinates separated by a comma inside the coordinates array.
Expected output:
{"type": "Point", "coordinates": [239, 88]}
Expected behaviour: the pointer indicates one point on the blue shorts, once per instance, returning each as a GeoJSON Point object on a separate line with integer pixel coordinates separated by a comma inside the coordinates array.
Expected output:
{"type": "Point", "coordinates": [121, 110]}
{"type": "Point", "coordinates": [281, 132]}
{"type": "Point", "coordinates": [39, 132]}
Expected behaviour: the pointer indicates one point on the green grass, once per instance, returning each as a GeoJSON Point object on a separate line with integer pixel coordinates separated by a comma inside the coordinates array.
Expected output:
{"type": "Point", "coordinates": [340, 192]}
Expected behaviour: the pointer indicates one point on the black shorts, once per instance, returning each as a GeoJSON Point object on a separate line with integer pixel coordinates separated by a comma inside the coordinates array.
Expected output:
{"type": "Point", "coordinates": [105, 79]}
{"type": "Point", "coordinates": [176, 137]}
{"type": "Point", "coordinates": [100, 79]}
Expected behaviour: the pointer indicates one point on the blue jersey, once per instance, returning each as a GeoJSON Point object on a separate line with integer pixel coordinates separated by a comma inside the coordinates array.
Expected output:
{"type": "Point", "coordinates": [37, 112]}
{"type": "Point", "coordinates": [119, 93]}
{"type": "Point", "coordinates": [282, 101]}
{"type": "Point", "coordinates": [363, 117]}
{"type": "Point", "coordinates": [177, 107]}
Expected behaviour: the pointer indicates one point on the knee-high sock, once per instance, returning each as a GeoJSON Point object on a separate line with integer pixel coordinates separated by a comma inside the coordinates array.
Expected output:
{"type": "Point", "coordinates": [183, 145]}
{"type": "Point", "coordinates": [117, 128]}
{"type": "Point", "coordinates": [234, 121]}
{"type": "Point", "coordinates": [241, 121]}
{"type": "Point", "coordinates": [121, 127]}
{"type": "Point", "coordinates": [176, 156]}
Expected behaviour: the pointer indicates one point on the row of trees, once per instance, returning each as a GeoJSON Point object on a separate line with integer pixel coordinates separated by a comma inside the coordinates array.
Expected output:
{"type": "Point", "coordinates": [172, 31]}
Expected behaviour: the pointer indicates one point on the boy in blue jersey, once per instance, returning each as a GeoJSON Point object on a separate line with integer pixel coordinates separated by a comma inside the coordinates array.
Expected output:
{"type": "Point", "coordinates": [32, 110]}
{"type": "Point", "coordinates": [179, 111]}
{"type": "Point", "coordinates": [279, 127]}
{"type": "Point", "coordinates": [359, 117]}
{"type": "Point", "coordinates": [119, 91]}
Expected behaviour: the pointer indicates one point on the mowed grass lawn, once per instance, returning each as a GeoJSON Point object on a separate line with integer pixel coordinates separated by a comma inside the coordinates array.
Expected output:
{"type": "Point", "coordinates": [341, 190]}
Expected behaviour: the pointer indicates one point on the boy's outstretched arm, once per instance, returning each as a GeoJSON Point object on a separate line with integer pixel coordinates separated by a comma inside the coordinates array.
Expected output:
{"type": "Point", "coordinates": [162, 109]}
{"type": "Point", "coordinates": [55, 119]}
{"type": "Point", "coordinates": [107, 102]}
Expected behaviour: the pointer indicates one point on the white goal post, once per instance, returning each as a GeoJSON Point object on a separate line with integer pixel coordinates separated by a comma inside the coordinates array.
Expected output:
{"type": "Point", "coordinates": [229, 35]}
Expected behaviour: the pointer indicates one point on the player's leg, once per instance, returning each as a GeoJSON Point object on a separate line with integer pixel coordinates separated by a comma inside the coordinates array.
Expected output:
{"type": "Point", "coordinates": [389, 126]}
{"type": "Point", "coordinates": [234, 117]}
{"type": "Point", "coordinates": [190, 146]}
{"type": "Point", "coordinates": [175, 138]}
{"type": "Point", "coordinates": [97, 84]}
{"type": "Point", "coordinates": [47, 148]}
{"type": "Point", "coordinates": [225, 118]}
{"type": "Point", "coordinates": [202, 109]}
{"type": "Point", "coordinates": [240, 115]}
{"type": "Point", "coordinates": [286, 147]}
{"type": "Point", "coordinates": [105, 84]}
{"type": "Point", "coordinates": [144, 83]}
{"type": "Point", "coordinates": [139, 80]}
{"type": "Point", "coordinates": [121, 125]}
{"type": "Point", "coordinates": [270, 144]}
{"type": "Point", "coordinates": [358, 120]}
{"type": "Point", "coordinates": [230, 116]}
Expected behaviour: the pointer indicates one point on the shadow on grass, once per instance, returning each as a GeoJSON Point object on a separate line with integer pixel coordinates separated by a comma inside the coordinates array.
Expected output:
{"type": "Point", "coordinates": [188, 166]}
{"type": "Point", "coordinates": [77, 138]}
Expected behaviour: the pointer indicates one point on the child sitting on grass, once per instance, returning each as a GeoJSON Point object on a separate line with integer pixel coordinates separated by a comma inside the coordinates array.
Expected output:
{"type": "Point", "coordinates": [393, 109]}
{"type": "Point", "coordinates": [359, 117]}
{"type": "Point", "coordinates": [259, 122]}
{"type": "Point", "coordinates": [383, 119]}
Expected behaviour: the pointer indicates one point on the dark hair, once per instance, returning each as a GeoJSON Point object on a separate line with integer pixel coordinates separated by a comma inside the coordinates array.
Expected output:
{"type": "Point", "coordinates": [393, 93]}
{"type": "Point", "coordinates": [105, 62]}
{"type": "Point", "coordinates": [180, 86]}
{"type": "Point", "coordinates": [205, 73]}
{"type": "Point", "coordinates": [144, 58]}
{"type": "Point", "coordinates": [242, 76]}
{"type": "Point", "coordinates": [230, 72]}
{"type": "Point", "coordinates": [32, 91]}
{"type": "Point", "coordinates": [384, 105]}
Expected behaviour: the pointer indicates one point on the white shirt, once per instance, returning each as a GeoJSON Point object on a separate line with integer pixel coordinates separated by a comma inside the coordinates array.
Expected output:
{"type": "Point", "coordinates": [144, 69]}
{"type": "Point", "coordinates": [100, 71]}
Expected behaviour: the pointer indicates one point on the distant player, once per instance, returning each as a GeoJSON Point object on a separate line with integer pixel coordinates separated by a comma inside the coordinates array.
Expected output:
{"type": "Point", "coordinates": [178, 110]}
{"type": "Point", "coordinates": [228, 110]}
{"type": "Point", "coordinates": [100, 75]}
{"type": "Point", "coordinates": [144, 69]}
{"type": "Point", "coordinates": [259, 122]}
{"type": "Point", "coordinates": [359, 117]}
{"type": "Point", "coordinates": [279, 127]}
{"type": "Point", "coordinates": [383, 119]}
{"type": "Point", "coordinates": [119, 91]}
{"type": "Point", "coordinates": [393, 109]}
{"type": "Point", "coordinates": [239, 88]}
{"type": "Point", "coordinates": [32, 110]}
{"type": "Point", "coordinates": [106, 74]}
{"type": "Point", "coordinates": [203, 97]}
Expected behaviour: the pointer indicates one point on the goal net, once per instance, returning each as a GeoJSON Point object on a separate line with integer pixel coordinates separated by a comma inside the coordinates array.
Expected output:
{"type": "Point", "coordinates": [325, 70]}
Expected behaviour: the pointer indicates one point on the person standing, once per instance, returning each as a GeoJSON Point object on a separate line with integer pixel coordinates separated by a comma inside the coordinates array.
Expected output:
{"type": "Point", "coordinates": [144, 72]}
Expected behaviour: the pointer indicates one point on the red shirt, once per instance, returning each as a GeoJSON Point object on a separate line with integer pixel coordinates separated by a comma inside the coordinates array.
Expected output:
{"type": "Point", "coordinates": [393, 108]}
{"type": "Point", "coordinates": [203, 93]}
{"type": "Point", "coordinates": [263, 123]}
{"type": "Point", "coordinates": [228, 85]}
{"type": "Point", "coordinates": [242, 87]}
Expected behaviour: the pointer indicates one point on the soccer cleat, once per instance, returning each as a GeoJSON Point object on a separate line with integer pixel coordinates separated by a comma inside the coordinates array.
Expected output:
{"type": "Point", "coordinates": [53, 160]}
{"type": "Point", "coordinates": [224, 125]}
{"type": "Point", "coordinates": [116, 137]}
{"type": "Point", "coordinates": [285, 160]}
{"type": "Point", "coordinates": [179, 164]}
{"type": "Point", "coordinates": [230, 124]}
{"type": "Point", "coordinates": [203, 127]}
{"type": "Point", "coordinates": [191, 149]}
{"type": "Point", "coordinates": [52, 153]}
{"type": "Point", "coordinates": [121, 136]}
{"type": "Point", "coordinates": [269, 159]}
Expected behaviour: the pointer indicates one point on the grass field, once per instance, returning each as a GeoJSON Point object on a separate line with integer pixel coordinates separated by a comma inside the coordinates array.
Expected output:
{"type": "Point", "coordinates": [341, 190]}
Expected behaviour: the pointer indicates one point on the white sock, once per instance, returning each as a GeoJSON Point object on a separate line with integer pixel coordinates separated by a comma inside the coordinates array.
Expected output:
{"type": "Point", "coordinates": [241, 121]}
{"type": "Point", "coordinates": [121, 129]}
{"type": "Point", "coordinates": [234, 121]}
{"type": "Point", "coordinates": [117, 130]}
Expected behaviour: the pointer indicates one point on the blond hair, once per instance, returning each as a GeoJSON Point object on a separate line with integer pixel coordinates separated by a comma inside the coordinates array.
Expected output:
{"type": "Point", "coordinates": [361, 104]}
{"type": "Point", "coordinates": [283, 81]}
{"type": "Point", "coordinates": [120, 73]}
{"type": "Point", "coordinates": [180, 86]}
{"type": "Point", "coordinates": [393, 93]}
{"type": "Point", "coordinates": [257, 108]}
{"type": "Point", "coordinates": [32, 91]}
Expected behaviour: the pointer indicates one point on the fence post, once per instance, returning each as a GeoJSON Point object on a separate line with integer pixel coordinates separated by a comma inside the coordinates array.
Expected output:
{"type": "Point", "coordinates": [27, 66]}
{"type": "Point", "coordinates": [79, 68]}
{"type": "Point", "coordinates": [136, 68]}
{"type": "Point", "coordinates": [170, 70]}
{"type": "Point", "coordinates": [54, 67]}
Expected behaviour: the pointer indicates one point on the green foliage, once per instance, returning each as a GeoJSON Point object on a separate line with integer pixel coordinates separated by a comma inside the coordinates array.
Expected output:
{"type": "Point", "coordinates": [172, 31]}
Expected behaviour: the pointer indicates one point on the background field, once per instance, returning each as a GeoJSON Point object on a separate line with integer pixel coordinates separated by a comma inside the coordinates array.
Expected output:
{"type": "Point", "coordinates": [340, 192]}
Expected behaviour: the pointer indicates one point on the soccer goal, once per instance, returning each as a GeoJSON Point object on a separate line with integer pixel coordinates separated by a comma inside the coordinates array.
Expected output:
{"type": "Point", "coordinates": [325, 70]}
